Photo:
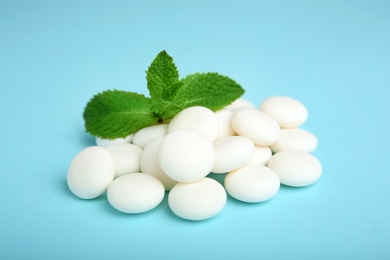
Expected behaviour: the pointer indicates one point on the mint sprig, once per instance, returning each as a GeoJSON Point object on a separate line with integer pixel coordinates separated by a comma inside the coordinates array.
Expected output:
{"type": "Point", "coordinates": [113, 113]}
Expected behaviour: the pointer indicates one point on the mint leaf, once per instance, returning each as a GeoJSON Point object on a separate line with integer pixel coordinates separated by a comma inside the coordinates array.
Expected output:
{"type": "Point", "coordinates": [163, 78]}
{"type": "Point", "coordinates": [210, 90]}
{"type": "Point", "coordinates": [166, 110]}
{"type": "Point", "coordinates": [113, 114]}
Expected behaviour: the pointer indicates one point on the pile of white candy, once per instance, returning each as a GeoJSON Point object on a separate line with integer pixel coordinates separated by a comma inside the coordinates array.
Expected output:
{"type": "Point", "coordinates": [257, 150]}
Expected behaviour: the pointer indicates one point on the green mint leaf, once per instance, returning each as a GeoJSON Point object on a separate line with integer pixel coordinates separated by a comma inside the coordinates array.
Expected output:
{"type": "Point", "coordinates": [113, 114]}
{"type": "Point", "coordinates": [166, 110]}
{"type": "Point", "coordinates": [210, 90]}
{"type": "Point", "coordinates": [163, 78]}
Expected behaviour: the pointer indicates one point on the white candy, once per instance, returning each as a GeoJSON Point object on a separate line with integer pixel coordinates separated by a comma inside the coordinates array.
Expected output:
{"type": "Point", "coordinates": [177, 156]}
{"type": "Point", "coordinates": [258, 126]}
{"type": "Point", "coordinates": [90, 172]}
{"type": "Point", "coordinates": [287, 111]}
{"type": "Point", "coordinates": [225, 127]}
{"type": "Point", "coordinates": [295, 139]}
{"type": "Point", "coordinates": [295, 168]}
{"type": "Point", "coordinates": [198, 118]}
{"type": "Point", "coordinates": [135, 193]}
{"type": "Point", "coordinates": [198, 200]}
{"type": "Point", "coordinates": [232, 153]}
{"type": "Point", "coordinates": [105, 142]}
{"type": "Point", "coordinates": [240, 103]}
{"type": "Point", "coordinates": [126, 158]}
{"type": "Point", "coordinates": [147, 134]}
{"type": "Point", "coordinates": [186, 155]}
{"type": "Point", "coordinates": [150, 165]}
{"type": "Point", "coordinates": [261, 155]}
{"type": "Point", "coordinates": [252, 183]}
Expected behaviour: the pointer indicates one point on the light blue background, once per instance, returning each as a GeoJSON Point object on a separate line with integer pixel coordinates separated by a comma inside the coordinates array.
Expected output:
{"type": "Point", "coordinates": [334, 56]}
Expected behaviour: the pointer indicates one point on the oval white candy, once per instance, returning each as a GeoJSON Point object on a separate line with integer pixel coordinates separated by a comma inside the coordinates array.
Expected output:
{"type": "Point", "coordinates": [258, 126]}
{"type": "Point", "coordinates": [225, 128]}
{"type": "Point", "coordinates": [198, 200]}
{"type": "Point", "coordinates": [135, 193]}
{"type": "Point", "coordinates": [287, 111]}
{"type": "Point", "coordinates": [186, 155]}
{"type": "Point", "coordinates": [147, 134]}
{"type": "Point", "coordinates": [252, 183]}
{"type": "Point", "coordinates": [150, 165]}
{"type": "Point", "coordinates": [126, 158]}
{"type": "Point", "coordinates": [105, 142]}
{"type": "Point", "coordinates": [296, 168]}
{"type": "Point", "coordinates": [261, 155]}
{"type": "Point", "coordinates": [90, 172]}
{"type": "Point", "coordinates": [232, 153]}
{"type": "Point", "coordinates": [240, 103]}
{"type": "Point", "coordinates": [198, 118]}
{"type": "Point", "coordinates": [295, 139]}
